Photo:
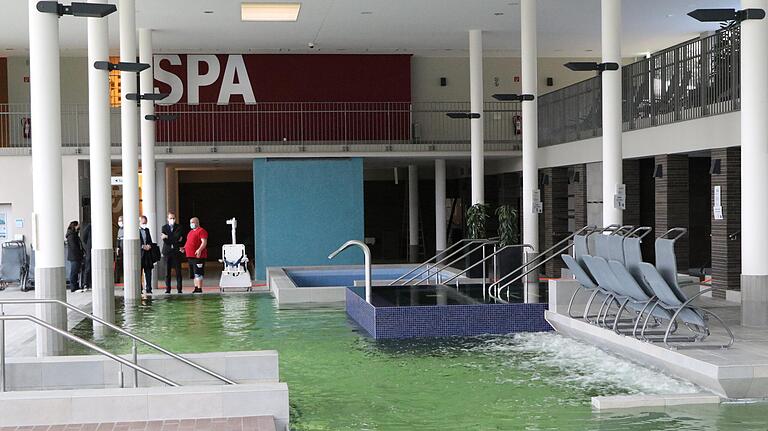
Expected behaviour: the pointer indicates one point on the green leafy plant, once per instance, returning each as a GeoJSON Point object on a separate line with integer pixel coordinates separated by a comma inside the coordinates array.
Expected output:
{"type": "Point", "coordinates": [507, 216]}
{"type": "Point", "coordinates": [477, 216]}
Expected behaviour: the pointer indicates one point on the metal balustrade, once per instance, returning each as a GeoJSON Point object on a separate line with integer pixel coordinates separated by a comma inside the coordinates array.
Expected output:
{"type": "Point", "coordinates": [305, 123]}
{"type": "Point", "coordinates": [694, 79]}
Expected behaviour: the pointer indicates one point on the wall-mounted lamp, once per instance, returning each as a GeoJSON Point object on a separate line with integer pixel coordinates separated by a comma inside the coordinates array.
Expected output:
{"type": "Point", "coordinates": [121, 66]}
{"type": "Point", "coordinates": [543, 180]}
{"type": "Point", "coordinates": [161, 117]}
{"type": "Point", "coordinates": [589, 66]}
{"type": "Point", "coordinates": [724, 15]}
{"type": "Point", "coordinates": [87, 10]}
{"type": "Point", "coordinates": [658, 172]}
{"type": "Point", "coordinates": [513, 97]}
{"type": "Point", "coordinates": [458, 115]}
{"type": "Point", "coordinates": [574, 177]}
{"type": "Point", "coordinates": [146, 96]}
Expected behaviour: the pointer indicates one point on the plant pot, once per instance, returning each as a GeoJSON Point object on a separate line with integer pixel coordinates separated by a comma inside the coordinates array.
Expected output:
{"type": "Point", "coordinates": [473, 258]}
{"type": "Point", "coordinates": [509, 260]}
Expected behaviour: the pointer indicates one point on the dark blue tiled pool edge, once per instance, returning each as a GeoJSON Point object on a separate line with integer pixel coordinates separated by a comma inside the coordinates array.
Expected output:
{"type": "Point", "coordinates": [445, 321]}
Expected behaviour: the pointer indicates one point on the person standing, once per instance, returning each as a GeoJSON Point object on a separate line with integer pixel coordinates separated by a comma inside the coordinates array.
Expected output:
{"type": "Point", "coordinates": [196, 249]}
{"type": "Point", "coordinates": [147, 264]}
{"type": "Point", "coordinates": [119, 251]}
{"type": "Point", "coordinates": [87, 241]}
{"type": "Point", "coordinates": [172, 240]}
{"type": "Point", "coordinates": [74, 255]}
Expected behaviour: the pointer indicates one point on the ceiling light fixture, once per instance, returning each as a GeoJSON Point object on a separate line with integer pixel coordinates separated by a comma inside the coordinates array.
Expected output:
{"type": "Point", "coordinates": [208, 11]}
{"type": "Point", "coordinates": [275, 12]}
{"type": "Point", "coordinates": [498, 13]}
{"type": "Point", "coordinates": [586, 66]}
{"type": "Point", "coordinates": [366, 12]}
{"type": "Point", "coordinates": [720, 15]}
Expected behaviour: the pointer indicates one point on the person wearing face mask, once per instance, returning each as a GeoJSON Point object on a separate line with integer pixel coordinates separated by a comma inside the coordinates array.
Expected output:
{"type": "Point", "coordinates": [75, 255]}
{"type": "Point", "coordinates": [119, 251]}
{"type": "Point", "coordinates": [172, 237]}
{"type": "Point", "coordinates": [147, 264]}
{"type": "Point", "coordinates": [196, 248]}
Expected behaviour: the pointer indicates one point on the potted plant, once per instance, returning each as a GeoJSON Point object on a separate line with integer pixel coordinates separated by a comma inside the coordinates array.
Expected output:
{"type": "Point", "coordinates": [477, 218]}
{"type": "Point", "coordinates": [511, 258]}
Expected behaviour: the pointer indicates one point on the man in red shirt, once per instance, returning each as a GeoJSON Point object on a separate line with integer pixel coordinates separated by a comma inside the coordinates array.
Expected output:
{"type": "Point", "coordinates": [196, 249]}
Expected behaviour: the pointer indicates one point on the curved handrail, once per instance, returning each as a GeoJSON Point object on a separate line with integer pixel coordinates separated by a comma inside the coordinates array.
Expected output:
{"type": "Point", "coordinates": [454, 253]}
{"type": "Point", "coordinates": [91, 346]}
{"type": "Point", "coordinates": [367, 253]}
{"type": "Point", "coordinates": [122, 331]}
{"type": "Point", "coordinates": [486, 258]}
{"type": "Point", "coordinates": [682, 231]}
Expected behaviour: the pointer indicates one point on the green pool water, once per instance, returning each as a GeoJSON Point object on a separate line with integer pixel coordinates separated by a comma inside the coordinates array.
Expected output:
{"type": "Point", "coordinates": [340, 379]}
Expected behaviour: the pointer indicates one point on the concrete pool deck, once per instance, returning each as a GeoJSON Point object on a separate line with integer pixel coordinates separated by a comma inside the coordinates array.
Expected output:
{"type": "Point", "coordinates": [740, 372]}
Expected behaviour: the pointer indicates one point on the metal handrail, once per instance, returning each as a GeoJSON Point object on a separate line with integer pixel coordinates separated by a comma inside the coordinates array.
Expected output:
{"type": "Point", "coordinates": [63, 333]}
{"type": "Point", "coordinates": [534, 268]}
{"type": "Point", "coordinates": [434, 265]}
{"type": "Point", "coordinates": [568, 238]}
{"type": "Point", "coordinates": [483, 244]}
{"type": "Point", "coordinates": [426, 262]}
{"type": "Point", "coordinates": [488, 257]}
{"type": "Point", "coordinates": [122, 331]}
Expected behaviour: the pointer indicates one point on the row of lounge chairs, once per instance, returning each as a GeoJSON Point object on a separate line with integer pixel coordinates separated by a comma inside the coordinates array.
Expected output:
{"type": "Point", "coordinates": [639, 299]}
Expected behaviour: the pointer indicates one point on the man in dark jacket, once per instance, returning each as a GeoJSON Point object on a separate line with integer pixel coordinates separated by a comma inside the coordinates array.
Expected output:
{"type": "Point", "coordinates": [147, 263]}
{"type": "Point", "coordinates": [74, 255]}
{"type": "Point", "coordinates": [173, 238]}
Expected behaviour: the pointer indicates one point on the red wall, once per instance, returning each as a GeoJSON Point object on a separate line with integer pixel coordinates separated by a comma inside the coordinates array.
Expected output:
{"type": "Point", "coordinates": [298, 82]}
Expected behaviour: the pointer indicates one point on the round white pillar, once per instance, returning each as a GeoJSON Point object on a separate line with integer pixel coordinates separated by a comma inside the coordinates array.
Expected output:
{"type": "Point", "coordinates": [476, 124]}
{"type": "Point", "coordinates": [413, 213]}
{"type": "Point", "coordinates": [47, 194]}
{"type": "Point", "coordinates": [148, 186]}
{"type": "Point", "coordinates": [440, 221]}
{"type": "Point", "coordinates": [130, 143]}
{"type": "Point", "coordinates": [102, 255]}
{"type": "Point", "coordinates": [612, 123]}
{"type": "Point", "coordinates": [754, 175]}
{"type": "Point", "coordinates": [530, 134]}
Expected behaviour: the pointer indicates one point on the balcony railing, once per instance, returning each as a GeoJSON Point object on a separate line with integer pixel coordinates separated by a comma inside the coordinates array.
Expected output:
{"type": "Point", "coordinates": [212, 125]}
{"type": "Point", "coordinates": [691, 80]}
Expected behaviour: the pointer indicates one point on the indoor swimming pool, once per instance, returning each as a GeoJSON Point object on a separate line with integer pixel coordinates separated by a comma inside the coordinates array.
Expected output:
{"type": "Point", "coordinates": [335, 276]}
{"type": "Point", "coordinates": [340, 379]}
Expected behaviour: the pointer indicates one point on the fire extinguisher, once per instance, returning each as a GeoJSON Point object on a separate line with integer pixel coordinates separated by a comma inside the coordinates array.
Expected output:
{"type": "Point", "coordinates": [26, 128]}
{"type": "Point", "coordinates": [518, 124]}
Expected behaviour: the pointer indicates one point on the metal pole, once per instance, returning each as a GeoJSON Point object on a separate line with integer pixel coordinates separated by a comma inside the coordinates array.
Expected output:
{"type": "Point", "coordinates": [413, 213]}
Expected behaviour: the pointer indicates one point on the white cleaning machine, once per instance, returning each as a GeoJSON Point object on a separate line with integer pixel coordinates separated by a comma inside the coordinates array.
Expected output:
{"type": "Point", "coordinates": [235, 273]}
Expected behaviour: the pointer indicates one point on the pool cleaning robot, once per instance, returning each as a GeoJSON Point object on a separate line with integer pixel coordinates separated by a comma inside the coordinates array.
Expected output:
{"type": "Point", "coordinates": [235, 273]}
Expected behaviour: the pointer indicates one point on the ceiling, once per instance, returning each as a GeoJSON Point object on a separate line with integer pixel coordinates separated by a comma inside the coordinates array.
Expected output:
{"type": "Point", "coordinates": [567, 28]}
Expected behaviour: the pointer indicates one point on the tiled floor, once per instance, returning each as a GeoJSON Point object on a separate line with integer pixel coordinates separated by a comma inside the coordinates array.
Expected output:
{"type": "Point", "coordinates": [257, 423]}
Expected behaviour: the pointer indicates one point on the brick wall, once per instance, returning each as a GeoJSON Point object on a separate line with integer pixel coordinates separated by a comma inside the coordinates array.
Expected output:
{"type": "Point", "coordinates": [726, 254]}
{"type": "Point", "coordinates": [672, 197]}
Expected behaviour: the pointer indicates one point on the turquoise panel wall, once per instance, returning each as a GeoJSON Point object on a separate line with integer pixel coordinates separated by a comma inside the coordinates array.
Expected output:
{"type": "Point", "coordinates": [304, 209]}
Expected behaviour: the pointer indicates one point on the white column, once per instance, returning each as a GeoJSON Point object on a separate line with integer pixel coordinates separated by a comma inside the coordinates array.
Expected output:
{"type": "Point", "coordinates": [162, 211]}
{"type": "Point", "coordinates": [413, 213]}
{"type": "Point", "coordinates": [100, 153]}
{"type": "Point", "coordinates": [147, 85]}
{"type": "Point", "coordinates": [440, 222]}
{"type": "Point", "coordinates": [612, 156]}
{"type": "Point", "coordinates": [130, 143]}
{"type": "Point", "coordinates": [48, 217]}
{"type": "Point", "coordinates": [530, 135]}
{"type": "Point", "coordinates": [476, 125]}
{"type": "Point", "coordinates": [754, 175]}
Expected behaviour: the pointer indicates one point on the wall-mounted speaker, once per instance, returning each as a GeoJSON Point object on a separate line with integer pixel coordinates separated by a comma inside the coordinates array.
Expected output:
{"type": "Point", "coordinates": [714, 167]}
{"type": "Point", "coordinates": [543, 180]}
{"type": "Point", "coordinates": [658, 172]}
{"type": "Point", "coordinates": [550, 82]}
{"type": "Point", "coordinates": [443, 81]}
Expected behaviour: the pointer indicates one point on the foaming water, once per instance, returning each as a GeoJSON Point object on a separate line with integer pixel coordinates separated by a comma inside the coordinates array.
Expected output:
{"type": "Point", "coordinates": [583, 365]}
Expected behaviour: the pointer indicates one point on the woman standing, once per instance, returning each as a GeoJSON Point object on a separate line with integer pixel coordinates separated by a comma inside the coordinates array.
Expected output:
{"type": "Point", "coordinates": [75, 255]}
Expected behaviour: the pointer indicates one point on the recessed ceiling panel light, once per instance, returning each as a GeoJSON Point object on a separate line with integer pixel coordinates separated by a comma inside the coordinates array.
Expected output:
{"type": "Point", "coordinates": [207, 11]}
{"type": "Point", "coordinates": [498, 13]}
{"type": "Point", "coordinates": [269, 11]}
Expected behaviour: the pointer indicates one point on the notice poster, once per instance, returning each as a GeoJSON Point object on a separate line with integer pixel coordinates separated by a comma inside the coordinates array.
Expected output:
{"type": "Point", "coordinates": [3, 226]}
{"type": "Point", "coordinates": [717, 206]}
